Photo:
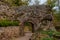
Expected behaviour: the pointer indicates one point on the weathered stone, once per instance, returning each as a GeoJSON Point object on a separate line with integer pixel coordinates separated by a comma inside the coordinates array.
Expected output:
{"type": "Point", "coordinates": [6, 33]}
{"type": "Point", "coordinates": [33, 14]}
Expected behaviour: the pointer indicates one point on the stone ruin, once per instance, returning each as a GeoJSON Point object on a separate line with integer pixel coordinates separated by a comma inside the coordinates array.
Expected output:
{"type": "Point", "coordinates": [39, 16]}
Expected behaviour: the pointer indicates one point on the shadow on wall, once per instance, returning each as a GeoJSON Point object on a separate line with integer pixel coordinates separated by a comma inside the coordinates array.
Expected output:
{"type": "Point", "coordinates": [57, 28]}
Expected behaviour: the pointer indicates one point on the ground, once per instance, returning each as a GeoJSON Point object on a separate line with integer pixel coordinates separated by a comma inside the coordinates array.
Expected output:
{"type": "Point", "coordinates": [26, 37]}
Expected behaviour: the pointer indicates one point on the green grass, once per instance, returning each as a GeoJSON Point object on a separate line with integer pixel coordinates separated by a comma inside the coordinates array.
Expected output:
{"type": "Point", "coordinates": [5, 23]}
{"type": "Point", "coordinates": [50, 35]}
{"type": "Point", "coordinates": [46, 39]}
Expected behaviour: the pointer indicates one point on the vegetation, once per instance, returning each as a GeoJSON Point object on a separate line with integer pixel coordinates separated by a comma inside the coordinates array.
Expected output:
{"type": "Point", "coordinates": [47, 39]}
{"type": "Point", "coordinates": [56, 14]}
{"type": "Point", "coordinates": [16, 2]}
{"type": "Point", "coordinates": [51, 3]}
{"type": "Point", "coordinates": [57, 17]}
{"type": "Point", "coordinates": [50, 35]}
{"type": "Point", "coordinates": [5, 23]}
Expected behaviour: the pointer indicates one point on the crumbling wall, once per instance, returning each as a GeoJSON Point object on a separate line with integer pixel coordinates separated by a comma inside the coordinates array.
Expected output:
{"type": "Point", "coordinates": [6, 12]}
{"type": "Point", "coordinates": [6, 33]}
{"type": "Point", "coordinates": [35, 14]}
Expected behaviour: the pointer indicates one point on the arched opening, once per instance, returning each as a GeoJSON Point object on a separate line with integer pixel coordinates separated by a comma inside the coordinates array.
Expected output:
{"type": "Point", "coordinates": [28, 27]}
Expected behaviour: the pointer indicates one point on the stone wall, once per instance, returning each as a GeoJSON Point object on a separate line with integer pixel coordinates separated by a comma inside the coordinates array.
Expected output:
{"type": "Point", "coordinates": [37, 15]}
{"type": "Point", "coordinates": [6, 12]}
{"type": "Point", "coordinates": [7, 33]}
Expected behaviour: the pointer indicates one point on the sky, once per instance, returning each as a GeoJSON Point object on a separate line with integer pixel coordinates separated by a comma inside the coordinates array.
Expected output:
{"type": "Point", "coordinates": [41, 2]}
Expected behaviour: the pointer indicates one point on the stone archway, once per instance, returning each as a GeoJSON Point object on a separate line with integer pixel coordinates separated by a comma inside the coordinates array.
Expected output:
{"type": "Point", "coordinates": [30, 26]}
{"type": "Point", "coordinates": [33, 26]}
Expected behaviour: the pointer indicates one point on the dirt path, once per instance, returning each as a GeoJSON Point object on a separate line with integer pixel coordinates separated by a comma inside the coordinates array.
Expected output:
{"type": "Point", "coordinates": [26, 37]}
